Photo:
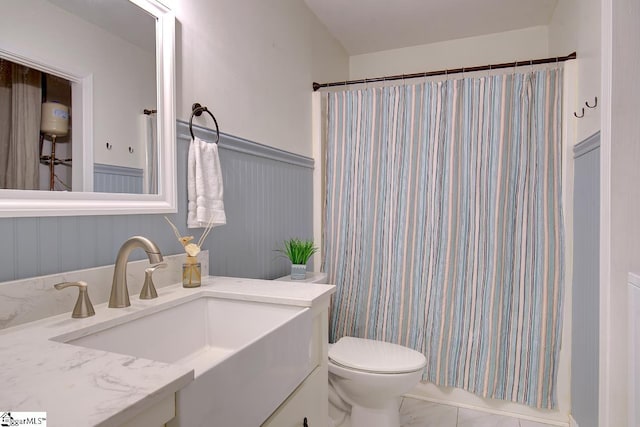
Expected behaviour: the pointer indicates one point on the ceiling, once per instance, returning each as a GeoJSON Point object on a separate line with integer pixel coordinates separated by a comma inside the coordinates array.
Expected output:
{"type": "Point", "coordinates": [364, 26]}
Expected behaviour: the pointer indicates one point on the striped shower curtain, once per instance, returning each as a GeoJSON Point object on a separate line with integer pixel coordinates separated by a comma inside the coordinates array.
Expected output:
{"type": "Point", "coordinates": [443, 227]}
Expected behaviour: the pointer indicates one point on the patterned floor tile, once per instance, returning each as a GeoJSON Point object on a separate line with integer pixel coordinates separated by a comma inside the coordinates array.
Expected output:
{"type": "Point", "coordinates": [418, 413]}
{"type": "Point", "coordinates": [471, 418]}
{"type": "Point", "coordinates": [525, 423]}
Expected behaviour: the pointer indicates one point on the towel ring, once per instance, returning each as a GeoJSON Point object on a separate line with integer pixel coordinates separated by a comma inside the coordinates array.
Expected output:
{"type": "Point", "coordinates": [196, 110]}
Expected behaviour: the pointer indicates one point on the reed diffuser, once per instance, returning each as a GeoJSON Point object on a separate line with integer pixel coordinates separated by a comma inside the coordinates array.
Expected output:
{"type": "Point", "coordinates": [191, 268]}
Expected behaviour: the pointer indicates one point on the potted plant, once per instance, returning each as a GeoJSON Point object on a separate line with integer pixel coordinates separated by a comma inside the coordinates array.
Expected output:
{"type": "Point", "coordinates": [298, 251]}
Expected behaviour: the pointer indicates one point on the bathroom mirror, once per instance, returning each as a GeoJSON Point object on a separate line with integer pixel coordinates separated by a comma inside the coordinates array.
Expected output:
{"type": "Point", "coordinates": [108, 127]}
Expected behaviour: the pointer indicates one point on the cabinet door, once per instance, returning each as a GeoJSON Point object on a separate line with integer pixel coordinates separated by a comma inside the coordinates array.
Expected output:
{"type": "Point", "coordinates": [156, 416]}
{"type": "Point", "coordinates": [306, 406]}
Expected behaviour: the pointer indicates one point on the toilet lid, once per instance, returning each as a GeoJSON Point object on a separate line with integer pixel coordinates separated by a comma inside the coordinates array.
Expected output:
{"type": "Point", "coordinates": [375, 356]}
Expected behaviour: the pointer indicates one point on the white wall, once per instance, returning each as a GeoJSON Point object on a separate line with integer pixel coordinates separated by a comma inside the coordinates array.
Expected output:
{"type": "Point", "coordinates": [252, 63]}
{"type": "Point", "coordinates": [122, 72]}
{"type": "Point", "coordinates": [575, 27]}
{"type": "Point", "coordinates": [620, 175]}
{"type": "Point", "coordinates": [528, 43]}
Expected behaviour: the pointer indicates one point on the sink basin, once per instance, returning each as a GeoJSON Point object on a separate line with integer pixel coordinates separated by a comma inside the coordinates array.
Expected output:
{"type": "Point", "coordinates": [247, 356]}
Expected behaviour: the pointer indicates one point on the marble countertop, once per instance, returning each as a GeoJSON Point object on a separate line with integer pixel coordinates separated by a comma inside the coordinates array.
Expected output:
{"type": "Point", "coordinates": [79, 386]}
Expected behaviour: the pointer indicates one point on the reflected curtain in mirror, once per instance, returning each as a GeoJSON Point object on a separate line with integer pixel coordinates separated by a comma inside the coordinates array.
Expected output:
{"type": "Point", "coordinates": [20, 100]}
{"type": "Point", "coordinates": [151, 145]}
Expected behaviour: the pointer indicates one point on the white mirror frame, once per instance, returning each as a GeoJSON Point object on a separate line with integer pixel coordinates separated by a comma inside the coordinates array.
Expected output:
{"type": "Point", "coordinates": [34, 203]}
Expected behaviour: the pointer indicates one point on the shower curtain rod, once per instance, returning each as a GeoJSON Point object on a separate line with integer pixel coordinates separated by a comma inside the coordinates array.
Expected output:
{"type": "Point", "coordinates": [317, 86]}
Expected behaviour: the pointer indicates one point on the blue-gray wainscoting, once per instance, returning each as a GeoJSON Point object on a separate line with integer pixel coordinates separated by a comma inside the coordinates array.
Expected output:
{"type": "Point", "coordinates": [117, 179]}
{"type": "Point", "coordinates": [268, 198]}
{"type": "Point", "coordinates": [586, 300]}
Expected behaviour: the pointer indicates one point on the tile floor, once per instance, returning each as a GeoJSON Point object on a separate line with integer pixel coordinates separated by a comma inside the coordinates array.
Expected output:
{"type": "Point", "coordinates": [418, 413]}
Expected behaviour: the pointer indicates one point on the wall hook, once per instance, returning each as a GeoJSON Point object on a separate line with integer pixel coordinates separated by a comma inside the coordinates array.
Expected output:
{"type": "Point", "coordinates": [131, 150]}
{"type": "Point", "coordinates": [109, 146]}
{"type": "Point", "coordinates": [579, 117]}
{"type": "Point", "coordinates": [595, 104]}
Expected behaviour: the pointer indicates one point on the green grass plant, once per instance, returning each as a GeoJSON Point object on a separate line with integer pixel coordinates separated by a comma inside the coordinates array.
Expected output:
{"type": "Point", "coordinates": [298, 251]}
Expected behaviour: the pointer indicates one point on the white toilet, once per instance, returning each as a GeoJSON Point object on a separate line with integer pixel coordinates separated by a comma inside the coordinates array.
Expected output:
{"type": "Point", "coordinates": [371, 376]}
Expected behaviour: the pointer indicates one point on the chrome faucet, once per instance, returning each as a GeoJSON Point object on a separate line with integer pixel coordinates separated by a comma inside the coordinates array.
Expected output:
{"type": "Point", "coordinates": [119, 290]}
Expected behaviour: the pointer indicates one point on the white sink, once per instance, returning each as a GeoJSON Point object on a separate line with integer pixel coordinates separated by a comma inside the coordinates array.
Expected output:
{"type": "Point", "coordinates": [247, 356]}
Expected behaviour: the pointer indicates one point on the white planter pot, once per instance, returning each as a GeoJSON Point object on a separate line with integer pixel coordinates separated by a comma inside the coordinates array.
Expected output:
{"type": "Point", "coordinates": [298, 271]}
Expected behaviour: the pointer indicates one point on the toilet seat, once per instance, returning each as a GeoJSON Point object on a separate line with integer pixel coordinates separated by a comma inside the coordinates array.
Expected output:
{"type": "Point", "coordinates": [375, 356]}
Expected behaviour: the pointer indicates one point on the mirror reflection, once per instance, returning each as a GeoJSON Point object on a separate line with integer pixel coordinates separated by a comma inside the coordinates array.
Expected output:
{"type": "Point", "coordinates": [34, 129]}
{"type": "Point", "coordinates": [78, 96]}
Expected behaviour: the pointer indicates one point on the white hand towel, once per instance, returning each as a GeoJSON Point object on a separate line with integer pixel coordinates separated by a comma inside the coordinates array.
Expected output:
{"type": "Point", "coordinates": [204, 185]}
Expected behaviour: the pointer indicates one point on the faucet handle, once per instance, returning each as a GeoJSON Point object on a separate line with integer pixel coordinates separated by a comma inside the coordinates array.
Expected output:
{"type": "Point", "coordinates": [148, 289]}
{"type": "Point", "coordinates": [83, 307]}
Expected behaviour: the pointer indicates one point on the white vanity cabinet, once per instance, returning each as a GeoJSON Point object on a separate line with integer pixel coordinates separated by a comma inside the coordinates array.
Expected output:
{"type": "Point", "coordinates": [310, 400]}
{"type": "Point", "coordinates": [305, 403]}
{"type": "Point", "coordinates": [156, 416]}
{"type": "Point", "coordinates": [155, 385]}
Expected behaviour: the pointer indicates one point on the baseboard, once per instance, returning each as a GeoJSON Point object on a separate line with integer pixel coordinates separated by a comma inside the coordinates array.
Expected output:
{"type": "Point", "coordinates": [572, 422]}
{"type": "Point", "coordinates": [491, 410]}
